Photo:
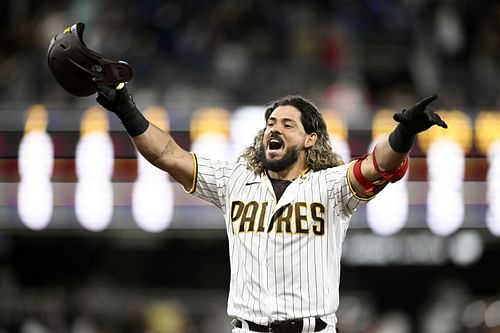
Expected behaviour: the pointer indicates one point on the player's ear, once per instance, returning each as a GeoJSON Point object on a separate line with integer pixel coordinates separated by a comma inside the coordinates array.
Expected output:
{"type": "Point", "coordinates": [311, 139]}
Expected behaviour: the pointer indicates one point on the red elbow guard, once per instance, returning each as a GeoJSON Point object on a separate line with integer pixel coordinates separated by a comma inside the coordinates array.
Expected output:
{"type": "Point", "coordinates": [393, 175]}
{"type": "Point", "coordinates": [370, 187]}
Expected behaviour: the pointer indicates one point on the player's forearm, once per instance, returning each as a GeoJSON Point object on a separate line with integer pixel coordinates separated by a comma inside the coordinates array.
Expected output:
{"type": "Point", "coordinates": [156, 145]}
{"type": "Point", "coordinates": [388, 159]}
{"type": "Point", "coordinates": [153, 143]}
{"type": "Point", "coordinates": [161, 150]}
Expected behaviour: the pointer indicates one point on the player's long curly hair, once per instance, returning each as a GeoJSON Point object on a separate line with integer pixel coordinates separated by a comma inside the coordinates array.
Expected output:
{"type": "Point", "coordinates": [318, 157]}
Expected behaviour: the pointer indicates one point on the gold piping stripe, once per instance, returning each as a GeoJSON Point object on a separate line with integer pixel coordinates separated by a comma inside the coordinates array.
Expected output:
{"type": "Point", "coordinates": [303, 173]}
{"type": "Point", "coordinates": [352, 189]}
{"type": "Point", "coordinates": [195, 174]}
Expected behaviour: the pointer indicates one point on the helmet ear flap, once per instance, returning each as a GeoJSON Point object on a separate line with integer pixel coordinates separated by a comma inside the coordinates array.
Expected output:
{"type": "Point", "coordinates": [77, 68]}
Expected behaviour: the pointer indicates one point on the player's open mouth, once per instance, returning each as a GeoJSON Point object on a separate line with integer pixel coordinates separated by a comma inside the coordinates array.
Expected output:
{"type": "Point", "coordinates": [274, 144]}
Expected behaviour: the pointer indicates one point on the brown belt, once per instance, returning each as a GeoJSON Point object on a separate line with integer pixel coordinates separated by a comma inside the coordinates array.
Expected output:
{"type": "Point", "coordinates": [281, 326]}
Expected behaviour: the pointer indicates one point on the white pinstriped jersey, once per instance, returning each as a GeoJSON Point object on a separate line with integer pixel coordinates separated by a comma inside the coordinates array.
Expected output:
{"type": "Point", "coordinates": [285, 255]}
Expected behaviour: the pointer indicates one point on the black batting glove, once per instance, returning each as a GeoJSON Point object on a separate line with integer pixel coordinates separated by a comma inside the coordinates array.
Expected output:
{"type": "Point", "coordinates": [412, 121]}
{"type": "Point", "coordinates": [419, 118]}
{"type": "Point", "coordinates": [119, 101]}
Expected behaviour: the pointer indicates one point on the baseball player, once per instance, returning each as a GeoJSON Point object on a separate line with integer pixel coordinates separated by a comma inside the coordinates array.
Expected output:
{"type": "Point", "coordinates": [287, 202]}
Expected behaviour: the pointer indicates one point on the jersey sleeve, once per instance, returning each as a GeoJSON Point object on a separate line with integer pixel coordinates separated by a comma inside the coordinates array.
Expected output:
{"type": "Point", "coordinates": [211, 179]}
{"type": "Point", "coordinates": [341, 191]}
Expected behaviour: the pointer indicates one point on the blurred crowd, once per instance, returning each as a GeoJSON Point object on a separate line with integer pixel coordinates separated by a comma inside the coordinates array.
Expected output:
{"type": "Point", "coordinates": [353, 55]}
{"type": "Point", "coordinates": [448, 308]}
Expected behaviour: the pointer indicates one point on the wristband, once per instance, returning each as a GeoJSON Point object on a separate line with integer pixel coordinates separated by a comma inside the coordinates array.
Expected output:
{"type": "Point", "coordinates": [135, 123]}
{"type": "Point", "coordinates": [132, 119]}
{"type": "Point", "coordinates": [401, 140]}
{"type": "Point", "coordinates": [124, 107]}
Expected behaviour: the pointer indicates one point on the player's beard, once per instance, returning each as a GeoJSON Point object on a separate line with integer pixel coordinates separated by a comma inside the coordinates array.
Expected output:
{"type": "Point", "coordinates": [291, 156]}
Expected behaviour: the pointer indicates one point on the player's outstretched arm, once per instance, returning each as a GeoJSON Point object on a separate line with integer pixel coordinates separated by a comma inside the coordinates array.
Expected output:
{"type": "Point", "coordinates": [389, 159]}
{"type": "Point", "coordinates": [157, 146]}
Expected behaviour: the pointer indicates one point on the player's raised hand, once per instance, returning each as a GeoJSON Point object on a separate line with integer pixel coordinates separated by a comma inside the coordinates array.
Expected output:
{"type": "Point", "coordinates": [412, 121]}
{"type": "Point", "coordinates": [120, 101]}
{"type": "Point", "coordinates": [419, 117]}
{"type": "Point", "coordinates": [114, 99]}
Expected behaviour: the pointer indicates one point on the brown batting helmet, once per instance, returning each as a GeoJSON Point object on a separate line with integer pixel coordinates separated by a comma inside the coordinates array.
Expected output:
{"type": "Point", "coordinates": [78, 69]}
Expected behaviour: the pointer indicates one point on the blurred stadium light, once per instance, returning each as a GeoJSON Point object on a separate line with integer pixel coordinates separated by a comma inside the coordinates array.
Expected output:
{"type": "Point", "coordinates": [36, 160]}
{"type": "Point", "coordinates": [94, 158]}
{"type": "Point", "coordinates": [246, 121]}
{"type": "Point", "coordinates": [210, 133]}
{"type": "Point", "coordinates": [446, 175]}
{"type": "Point", "coordinates": [393, 219]}
{"type": "Point", "coordinates": [152, 193]}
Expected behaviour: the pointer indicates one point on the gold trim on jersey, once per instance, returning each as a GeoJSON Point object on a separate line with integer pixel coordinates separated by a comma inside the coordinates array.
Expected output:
{"type": "Point", "coordinates": [353, 191]}
{"type": "Point", "coordinates": [304, 173]}
{"type": "Point", "coordinates": [195, 174]}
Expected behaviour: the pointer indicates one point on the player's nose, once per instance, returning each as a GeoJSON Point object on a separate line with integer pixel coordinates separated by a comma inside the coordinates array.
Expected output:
{"type": "Point", "coordinates": [275, 129]}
